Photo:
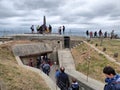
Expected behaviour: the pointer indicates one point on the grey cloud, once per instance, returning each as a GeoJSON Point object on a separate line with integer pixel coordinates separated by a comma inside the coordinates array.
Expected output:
{"type": "Point", "coordinates": [68, 11]}
{"type": "Point", "coordinates": [4, 23]}
{"type": "Point", "coordinates": [37, 4]}
{"type": "Point", "coordinates": [104, 10]}
{"type": "Point", "coordinates": [6, 14]}
{"type": "Point", "coordinates": [28, 19]}
{"type": "Point", "coordinates": [99, 10]}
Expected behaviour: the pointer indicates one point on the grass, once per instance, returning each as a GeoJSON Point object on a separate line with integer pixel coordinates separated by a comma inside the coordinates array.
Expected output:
{"type": "Point", "coordinates": [84, 56]}
{"type": "Point", "coordinates": [112, 46]}
{"type": "Point", "coordinates": [16, 77]}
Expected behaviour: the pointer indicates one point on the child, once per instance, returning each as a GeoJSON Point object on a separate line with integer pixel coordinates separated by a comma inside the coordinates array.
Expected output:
{"type": "Point", "coordinates": [74, 85]}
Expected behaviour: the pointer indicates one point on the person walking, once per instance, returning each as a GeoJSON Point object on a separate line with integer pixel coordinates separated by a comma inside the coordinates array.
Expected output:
{"type": "Point", "coordinates": [50, 28]}
{"type": "Point", "coordinates": [63, 29]}
{"type": "Point", "coordinates": [87, 33]}
{"type": "Point", "coordinates": [37, 28]}
{"type": "Point", "coordinates": [46, 68]}
{"type": "Point", "coordinates": [31, 62]}
{"type": "Point", "coordinates": [112, 79]}
{"type": "Point", "coordinates": [32, 28]}
{"type": "Point", "coordinates": [59, 30]}
{"type": "Point", "coordinates": [100, 33]}
{"type": "Point", "coordinates": [57, 73]}
{"type": "Point", "coordinates": [74, 85]}
{"type": "Point", "coordinates": [63, 80]}
{"type": "Point", "coordinates": [112, 34]}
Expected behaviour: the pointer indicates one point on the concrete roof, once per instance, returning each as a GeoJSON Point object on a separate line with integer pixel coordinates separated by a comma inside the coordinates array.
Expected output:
{"type": "Point", "coordinates": [31, 49]}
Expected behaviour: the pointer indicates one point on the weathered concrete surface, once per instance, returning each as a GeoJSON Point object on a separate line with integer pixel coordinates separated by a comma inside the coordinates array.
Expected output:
{"type": "Point", "coordinates": [31, 49]}
{"type": "Point", "coordinates": [3, 39]}
{"type": "Point", "coordinates": [37, 36]}
{"type": "Point", "coordinates": [65, 59]}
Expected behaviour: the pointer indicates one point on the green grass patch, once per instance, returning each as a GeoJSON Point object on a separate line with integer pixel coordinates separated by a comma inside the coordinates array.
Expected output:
{"type": "Point", "coordinates": [96, 62]}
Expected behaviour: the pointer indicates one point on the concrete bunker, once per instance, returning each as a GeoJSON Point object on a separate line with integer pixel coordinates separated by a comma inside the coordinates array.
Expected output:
{"type": "Point", "coordinates": [33, 50]}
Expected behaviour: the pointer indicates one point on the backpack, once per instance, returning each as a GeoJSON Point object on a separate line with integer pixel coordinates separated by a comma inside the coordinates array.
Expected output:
{"type": "Point", "coordinates": [47, 67]}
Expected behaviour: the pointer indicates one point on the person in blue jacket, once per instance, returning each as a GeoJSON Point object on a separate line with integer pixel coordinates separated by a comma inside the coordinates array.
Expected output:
{"type": "Point", "coordinates": [74, 84]}
{"type": "Point", "coordinates": [112, 79]}
{"type": "Point", "coordinates": [63, 80]}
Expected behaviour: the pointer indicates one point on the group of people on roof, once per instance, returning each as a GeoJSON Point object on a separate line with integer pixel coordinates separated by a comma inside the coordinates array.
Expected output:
{"type": "Point", "coordinates": [101, 34]}
{"type": "Point", "coordinates": [41, 29]}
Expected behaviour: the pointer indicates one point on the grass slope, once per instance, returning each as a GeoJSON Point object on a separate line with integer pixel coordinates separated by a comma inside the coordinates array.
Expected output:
{"type": "Point", "coordinates": [96, 62]}
{"type": "Point", "coordinates": [15, 77]}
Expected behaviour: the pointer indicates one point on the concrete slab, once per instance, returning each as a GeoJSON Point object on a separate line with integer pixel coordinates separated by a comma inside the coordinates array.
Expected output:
{"type": "Point", "coordinates": [31, 49]}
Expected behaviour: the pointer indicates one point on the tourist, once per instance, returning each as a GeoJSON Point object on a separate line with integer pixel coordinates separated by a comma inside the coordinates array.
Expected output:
{"type": "Point", "coordinates": [95, 34]}
{"type": "Point", "coordinates": [32, 28]}
{"type": "Point", "coordinates": [112, 34]}
{"type": "Point", "coordinates": [63, 80]}
{"type": "Point", "coordinates": [91, 34]}
{"type": "Point", "coordinates": [31, 62]}
{"type": "Point", "coordinates": [100, 33]}
{"type": "Point", "coordinates": [112, 79]}
{"type": "Point", "coordinates": [59, 30]}
{"type": "Point", "coordinates": [74, 85]}
{"type": "Point", "coordinates": [38, 62]}
{"type": "Point", "coordinates": [63, 29]}
{"type": "Point", "coordinates": [46, 68]}
{"type": "Point", "coordinates": [57, 73]}
{"type": "Point", "coordinates": [50, 28]}
{"type": "Point", "coordinates": [105, 34]}
{"type": "Point", "coordinates": [87, 33]}
{"type": "Point", "coordinates": [37, 28]}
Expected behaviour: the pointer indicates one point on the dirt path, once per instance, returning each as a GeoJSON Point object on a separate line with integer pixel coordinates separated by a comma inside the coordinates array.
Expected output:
{"type": "Point", "coordinates": [99, 51]}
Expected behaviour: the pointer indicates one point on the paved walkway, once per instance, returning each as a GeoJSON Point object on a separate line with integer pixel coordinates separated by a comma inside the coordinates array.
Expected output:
{"type": "Point", "coordinates": [52, 72]}
{"type": "Point", "coordinates": [99, 51]}
{"type": "Point", "coordinates": [66, 60]}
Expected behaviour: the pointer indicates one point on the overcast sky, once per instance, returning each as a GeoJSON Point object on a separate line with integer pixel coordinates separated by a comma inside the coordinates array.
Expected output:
{"type": "Point", "coordinates": [71, 13]}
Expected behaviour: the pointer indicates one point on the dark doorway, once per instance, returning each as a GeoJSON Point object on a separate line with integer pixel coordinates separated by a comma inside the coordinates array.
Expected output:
{"type": "Point", "coordinates": [66, 42]}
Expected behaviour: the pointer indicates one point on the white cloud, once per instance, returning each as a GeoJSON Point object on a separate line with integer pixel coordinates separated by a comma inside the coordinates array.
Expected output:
{"type": "Point", "coordinates": [72, 13]}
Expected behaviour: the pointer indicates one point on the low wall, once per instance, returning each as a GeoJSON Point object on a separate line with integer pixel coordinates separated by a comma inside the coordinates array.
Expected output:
{"type": "Point", "coordinates": [66, 60]}
{"type": "Point", "coordinates": [47, 79]}
{"type": "Point", "coordinates": [37, 36]}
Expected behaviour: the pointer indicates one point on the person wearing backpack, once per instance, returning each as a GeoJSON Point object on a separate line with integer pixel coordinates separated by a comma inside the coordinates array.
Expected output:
{"type": "Point", "coordinates": [112, 79]}
{"type": "Point", "coordinates": [46, 68]}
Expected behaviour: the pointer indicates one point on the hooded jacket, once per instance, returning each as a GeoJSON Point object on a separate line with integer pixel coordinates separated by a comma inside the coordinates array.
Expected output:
{"type": "Point", "coordinates": [75, 86]}
{"type": "Point", "coordinates": [112, 83]}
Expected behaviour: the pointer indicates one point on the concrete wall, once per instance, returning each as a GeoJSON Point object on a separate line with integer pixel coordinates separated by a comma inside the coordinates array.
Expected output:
{"type": "Point", "coordinates": [65, 59]}
{"type": "Point", "coordinates": [31, 49]}
{"type": "Point", "coordinates": [37, 36]}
